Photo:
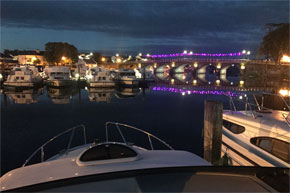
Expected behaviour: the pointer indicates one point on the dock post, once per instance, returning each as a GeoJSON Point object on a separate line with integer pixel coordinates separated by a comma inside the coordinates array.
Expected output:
{"type": "Point", "coordinates": [212, 130]}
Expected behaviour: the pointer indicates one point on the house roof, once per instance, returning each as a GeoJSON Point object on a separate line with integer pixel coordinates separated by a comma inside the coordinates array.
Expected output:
{"type": "Point", "coordinates": [31, 52]}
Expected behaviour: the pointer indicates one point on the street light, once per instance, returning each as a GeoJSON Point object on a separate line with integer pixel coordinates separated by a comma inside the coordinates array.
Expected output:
{"type": "Point", "coordinates": [148, 55]}
{"type": "Point", "coordinates": [103, 59]}
{"type": "Point", "coordinates": [140, 54]}
{"type": "Point", "coordinates": [248, 52]}
{"type": "Point", "coordinates": [244, 51]}
{"type": "Point", "coordinates": [63, 58]}
{"type": "Point", "coordinates": [185, 51]}
{"type": "Point", "coordinates": [117, 55]}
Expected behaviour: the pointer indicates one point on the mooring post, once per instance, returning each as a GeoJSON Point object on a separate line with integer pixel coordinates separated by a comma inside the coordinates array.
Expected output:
{"type": "Point", "coordinates": [212, 130]}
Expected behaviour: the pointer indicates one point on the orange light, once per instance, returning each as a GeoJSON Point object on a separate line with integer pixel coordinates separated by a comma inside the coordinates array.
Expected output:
{"type": "Point", "coordinates": [285, 58]}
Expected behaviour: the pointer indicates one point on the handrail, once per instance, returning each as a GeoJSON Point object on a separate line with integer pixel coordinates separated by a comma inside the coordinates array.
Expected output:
{"type": "Point", "coordinates": [41, 148]}
{"type": "Point", "coordinates": [134, 128]}
{"type": "Point", "coordinates": [261, 107]}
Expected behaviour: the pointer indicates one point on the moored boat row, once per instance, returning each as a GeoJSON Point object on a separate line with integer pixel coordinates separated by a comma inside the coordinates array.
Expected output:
{"type": "Point", "coordinates": [61, 76]}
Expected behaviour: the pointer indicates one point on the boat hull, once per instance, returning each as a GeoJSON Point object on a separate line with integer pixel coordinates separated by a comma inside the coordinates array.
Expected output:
{"type": "Point", "coordinates": [128, 82]}
{"type": "Point", "coordinates": [22, 84]}
{"type": "Point", "coordinates": [101, 84]}
{"type": "Point", "coordinates": [59, 83]}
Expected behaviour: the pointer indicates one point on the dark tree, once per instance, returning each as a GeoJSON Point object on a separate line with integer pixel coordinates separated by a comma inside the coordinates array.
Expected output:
{"type": "Point", "coordinates": [54, 51]}
{"type": "Point", "coordinates": [276, 42]}
{"type": "Point", "coordinates": [97, 57]}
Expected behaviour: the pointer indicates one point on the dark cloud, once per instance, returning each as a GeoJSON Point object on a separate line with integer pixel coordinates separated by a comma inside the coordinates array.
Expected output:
{"type": "Point", "coordinates": [179, 22]}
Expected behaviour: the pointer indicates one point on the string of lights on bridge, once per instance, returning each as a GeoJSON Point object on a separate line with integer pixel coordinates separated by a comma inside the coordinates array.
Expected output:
{"type": "Point", "coordinates": [190, 53]}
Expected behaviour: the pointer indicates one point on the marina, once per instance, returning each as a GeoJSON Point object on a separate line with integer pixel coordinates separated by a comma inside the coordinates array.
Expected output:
{"type": "Point", "coordinates": [143, 96]}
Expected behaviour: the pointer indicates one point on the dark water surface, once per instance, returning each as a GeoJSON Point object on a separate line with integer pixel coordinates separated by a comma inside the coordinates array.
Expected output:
{"type": "Point", "coordinates": [174, 115]}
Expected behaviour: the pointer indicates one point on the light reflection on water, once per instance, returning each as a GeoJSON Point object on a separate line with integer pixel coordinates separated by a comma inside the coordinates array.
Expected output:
{"type": "Point", "coordinates": [173, 112]}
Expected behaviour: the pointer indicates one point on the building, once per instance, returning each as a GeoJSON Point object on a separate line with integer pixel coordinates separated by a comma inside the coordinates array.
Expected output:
{"type": "Point", "coordinates": [6, 62]}
{"type": "Point", "coordinates": [88, 62]}
{"type": "Point", "coordinates": [35, 57]}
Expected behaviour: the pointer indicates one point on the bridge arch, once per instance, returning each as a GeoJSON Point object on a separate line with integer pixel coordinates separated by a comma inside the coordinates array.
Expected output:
{"type": "Point", "coordinates": [180, 68]}
{"type": "Point", "coordinates": [162, 68]}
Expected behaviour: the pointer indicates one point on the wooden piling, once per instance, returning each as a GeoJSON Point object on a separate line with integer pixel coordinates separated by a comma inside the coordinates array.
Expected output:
{"type": "Point", "coordinates": [212, 130]}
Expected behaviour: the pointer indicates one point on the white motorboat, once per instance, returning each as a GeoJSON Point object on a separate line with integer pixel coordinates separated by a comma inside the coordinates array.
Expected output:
{"type": "Point", "coordinates": [23, 76]}
{"type": "Point", "coordinates": [80, 71]}
{"type": "Point", "coordinates": [99, 77]}
{"type": "Point", "coordinates": [256, 137]}
{"type": "Point", "coordinates": [126, 77]}
{"type": "Point", "coordinates": [112, 166]}
{"type": "Point", "coordinates": [58, 76]}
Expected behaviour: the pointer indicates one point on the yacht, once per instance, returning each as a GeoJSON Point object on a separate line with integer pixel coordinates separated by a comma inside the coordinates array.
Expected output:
{"type": "Point", "coordinates": [121, 166]}
{"type": "Point", "coordinates": [99, 77]}
{"type": "Point", "coordinates": [257, 137]}
{"type": "Point", "coordinates": [80, 71]}
{"type": "Point", "coordinates": [23, 76]}
{"type": "Point", "coordinates": [126, 77]}
{"type": "Point", "coordinates": [58, 76]}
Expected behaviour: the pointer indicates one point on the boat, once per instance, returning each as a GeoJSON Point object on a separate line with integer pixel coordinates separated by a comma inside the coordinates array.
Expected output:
{"type": "Point", "coordinates": [80, 71]}
{"type": "Point", "coordinates": [121, 166]}
{"type": "Point", "coordinates": [23, 76]}
{"type": "Point", "coordinates": [58, 76]}
{"type": "Point", "coordinates": [126, 77]}
{"type": "Point", "coordinates": [99, 77]}
{"type": "Point", "coordinates": [256, 137]}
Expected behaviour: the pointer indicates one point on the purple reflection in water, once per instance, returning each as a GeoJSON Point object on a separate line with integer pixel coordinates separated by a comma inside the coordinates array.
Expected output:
{"type": "Point", "coordinates": [202, 92]}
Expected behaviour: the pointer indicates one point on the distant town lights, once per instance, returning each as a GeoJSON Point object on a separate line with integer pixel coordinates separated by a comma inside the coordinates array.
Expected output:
{"type": "Point", "coordinates": [103, 59]}
{"type": "Point", "coordinates": [147, 55]}
{"type": "Point", "coordinates": [117, 55]}
{"type": "Point", "coordinates": [244, 51]}
{"type": "Point", "coordinates": [190, 52]}
{"type": "Point", "coordinates": [63, 58]}
{"type": "Point", "coordinates": [248, 52]}
{"type": "Point", "coordinates": [285, 58]}
{"type": "Point", "coordinates": [140, 54]}
{"type": "Point", "coordinates": [284, 92]}
{"type": "Point", "coordinates": [185, 51]}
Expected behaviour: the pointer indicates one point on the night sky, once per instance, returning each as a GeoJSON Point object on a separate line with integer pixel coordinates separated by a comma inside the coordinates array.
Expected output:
{"type": "Point", "coordinates": [140, 26]}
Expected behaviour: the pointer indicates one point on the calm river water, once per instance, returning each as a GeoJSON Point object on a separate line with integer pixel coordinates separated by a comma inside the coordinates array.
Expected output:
{"type": "Point", "coordinates": [173, 113]}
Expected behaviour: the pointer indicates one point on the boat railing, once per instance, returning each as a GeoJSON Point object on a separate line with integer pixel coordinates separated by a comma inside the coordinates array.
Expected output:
{"type": "Point", "coordinates": [68, 147]}
{"type": "Point", "coordinates": [260, 107]}
{"type": "Point", "coordinates": [149, 135]}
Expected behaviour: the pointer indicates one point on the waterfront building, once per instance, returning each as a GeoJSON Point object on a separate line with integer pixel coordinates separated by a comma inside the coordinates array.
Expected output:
{"type": "Point", "coordinates": [30, 57]}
